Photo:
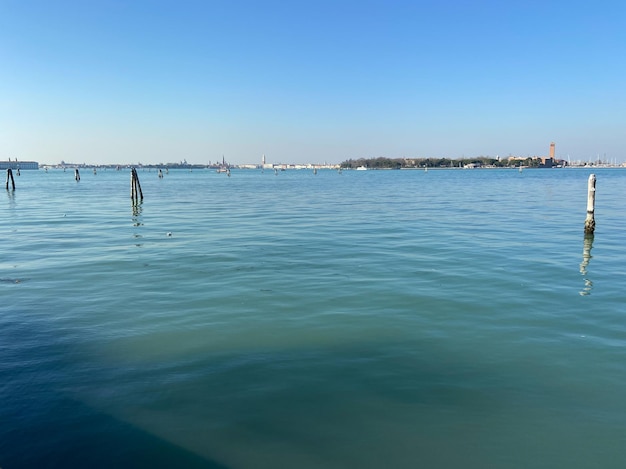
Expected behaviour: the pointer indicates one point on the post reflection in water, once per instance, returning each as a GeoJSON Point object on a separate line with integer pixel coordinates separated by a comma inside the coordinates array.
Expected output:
{"type": "Point", "coordinates": [587, 246]}
{"type": "Point", "coordinates": [137, 209]}
{"type": "Point", "coordinates": [11, 195]}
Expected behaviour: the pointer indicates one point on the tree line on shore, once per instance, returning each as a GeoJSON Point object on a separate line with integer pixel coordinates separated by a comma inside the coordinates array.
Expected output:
{"type": "Point", "coordinates": [408, 163]}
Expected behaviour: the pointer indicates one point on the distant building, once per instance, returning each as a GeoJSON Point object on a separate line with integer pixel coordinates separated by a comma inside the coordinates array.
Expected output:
{"type": "Point", "coordinates": [543, 161]}
{"type": "Point", "coordinates": [547, 162]}
{"type": "Point", "coordinates": [15, 165]}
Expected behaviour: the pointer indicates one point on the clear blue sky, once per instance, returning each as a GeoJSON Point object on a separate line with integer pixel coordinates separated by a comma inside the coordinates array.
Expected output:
{"type": "Point", "coordinates": [114, 81]}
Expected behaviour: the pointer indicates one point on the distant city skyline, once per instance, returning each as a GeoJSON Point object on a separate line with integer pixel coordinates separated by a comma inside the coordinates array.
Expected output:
{"type": "Point", "coordinates": [310, 82]}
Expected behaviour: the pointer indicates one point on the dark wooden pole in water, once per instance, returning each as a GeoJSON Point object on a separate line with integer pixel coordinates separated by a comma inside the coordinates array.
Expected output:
{"type": "Point", "coordinates": [590, 222]}
{"type": "Point", "coordinates": [133, 195]}
{"type": "Point", "coordinates": [10, 176]}
{"type": "Point", "coordinates": [135, 187]}
{"type": "Point", "coordinates": [76, 174]}
{"type": "Point", "coordinates": [138, 185]}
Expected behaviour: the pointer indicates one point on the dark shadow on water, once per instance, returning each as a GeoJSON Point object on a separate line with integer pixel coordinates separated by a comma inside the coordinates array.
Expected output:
{"type": "Point", "coordinates": [587, 246]}
{"type": "Point", "coordinates": [83, 437]}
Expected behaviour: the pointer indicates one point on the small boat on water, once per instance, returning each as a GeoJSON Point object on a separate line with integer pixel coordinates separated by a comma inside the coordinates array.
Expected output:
{"type": "Point", "coordinates": [361, 168]}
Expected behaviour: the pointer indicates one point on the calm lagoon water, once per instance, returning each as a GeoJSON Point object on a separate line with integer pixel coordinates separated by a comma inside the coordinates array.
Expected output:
{"type": "Point", "coordinates": [451, 318]}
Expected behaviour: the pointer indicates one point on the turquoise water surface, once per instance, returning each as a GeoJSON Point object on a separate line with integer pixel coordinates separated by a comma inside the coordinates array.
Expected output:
{"type": "Point", "coordinates": [449, 318]}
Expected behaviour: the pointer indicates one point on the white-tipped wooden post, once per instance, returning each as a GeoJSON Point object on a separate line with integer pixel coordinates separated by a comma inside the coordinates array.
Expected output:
{"type": "Point", "coordinates": [590, 222]}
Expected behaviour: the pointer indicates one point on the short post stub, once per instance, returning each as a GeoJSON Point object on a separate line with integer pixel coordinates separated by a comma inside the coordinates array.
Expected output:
{"type": "Point", "coordinates": [590, 222]}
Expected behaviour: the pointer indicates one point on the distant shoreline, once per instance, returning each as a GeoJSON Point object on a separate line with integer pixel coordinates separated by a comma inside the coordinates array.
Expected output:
{"type": "Point", "coordinates": [317, 167]}
{"type": "Point", "coordinates": [33, 165]}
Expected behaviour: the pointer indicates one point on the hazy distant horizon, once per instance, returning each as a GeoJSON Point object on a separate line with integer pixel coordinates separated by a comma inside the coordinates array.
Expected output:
{"type": "Point", "coordinates": [291, 163]}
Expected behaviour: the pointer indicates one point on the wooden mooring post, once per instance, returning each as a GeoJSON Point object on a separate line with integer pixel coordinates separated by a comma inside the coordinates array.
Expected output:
{"type": "Point", "coordinates": [590, 222]}
{"type": "Point", "coordinates": [135, 188]}
{"type": "Point", "coordinates": [76, 174]}
{"type": "Point", "coordinates": [10, 177]}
